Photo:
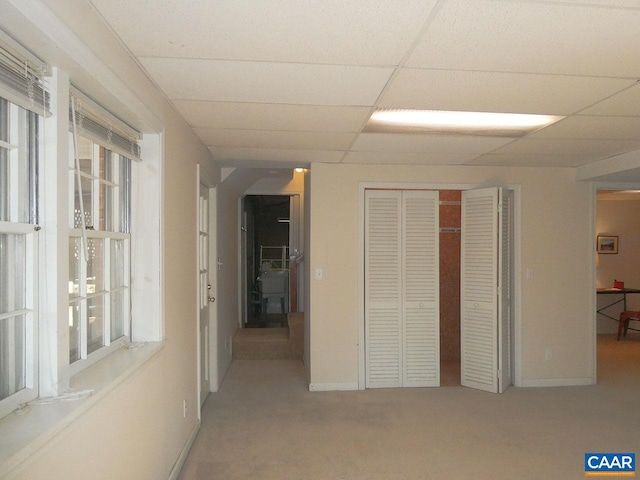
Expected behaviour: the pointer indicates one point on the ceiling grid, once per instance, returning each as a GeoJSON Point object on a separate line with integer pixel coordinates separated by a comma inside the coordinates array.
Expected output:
{"type": "Point", "coordinates": [288, 83]}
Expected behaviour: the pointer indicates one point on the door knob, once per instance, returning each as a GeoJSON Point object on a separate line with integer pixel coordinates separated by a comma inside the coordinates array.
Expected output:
{"type": "Point", "coordinates": [212, 299]}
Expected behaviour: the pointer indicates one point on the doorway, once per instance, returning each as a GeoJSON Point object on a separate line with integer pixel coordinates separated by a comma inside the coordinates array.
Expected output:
{"type": "Point", "coordinates": [267, 228]}
{"type": "Point", "coordinates": [461, 328]}
{"type": "Point", "coordinates": [206, 332]}
{"type": "Point", "coordinates": [617, 232]}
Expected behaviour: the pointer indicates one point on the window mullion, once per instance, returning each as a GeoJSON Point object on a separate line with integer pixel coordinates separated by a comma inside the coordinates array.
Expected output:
{"type": "Point", "coordinates": [107, 296]}
{"type": "Point", "coordinates": [22, 169]}
{"type": "Point", "coordinates": [31, 303]}
{"type": "Point", "coordinates": [127, 293]}
{"type": "Point", "coordinates": [95, 188]}
{"type": "Point", "coordinates": [83, 328]}
{"type": "Point", "coordinates": [31, 346]}
{"type": "Point", "coordinates": [116, 216]}
{"type": "Point", "coordinates": [14, 160]}
{"type": "Point", "coordinates": [11, 245]}
{"type": "Point", "coordinates": [10, 325]}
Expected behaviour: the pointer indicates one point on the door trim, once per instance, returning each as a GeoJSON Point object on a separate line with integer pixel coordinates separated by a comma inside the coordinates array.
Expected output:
{"type": "Point", "coordinates": [595, 186]}
{"type": "Point", "coordinates": [204, 180]}
{"type": "Point", "coordinates": [296, 243]}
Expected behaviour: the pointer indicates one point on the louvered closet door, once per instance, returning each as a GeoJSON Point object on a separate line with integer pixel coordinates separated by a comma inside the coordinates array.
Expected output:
{"type": "Point", "coordinates": [481, 280]}
{"type": "Point", "coordinates": [505, 250]}
{"type": "Point", "coordinates": [421, 289]}
{"type": "Point", "coordinates": [383, 288]}
{"type": "Point", "coordinates": [401, 289]}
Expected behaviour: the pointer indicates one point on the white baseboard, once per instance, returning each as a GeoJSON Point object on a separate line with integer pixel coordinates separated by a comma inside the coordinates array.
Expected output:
{"type": "Point", "coordinates": [559, 382]}
{"type": "Point", "coordinates": [177, 467]}
{"type": "Point", "coordinates": [330, 387]}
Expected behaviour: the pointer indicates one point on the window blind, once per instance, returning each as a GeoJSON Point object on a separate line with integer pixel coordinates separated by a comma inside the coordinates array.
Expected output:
{"type": "Point", "coordinates": [99, 125]}
{"type": "Point", "coordinates": [22, 77]}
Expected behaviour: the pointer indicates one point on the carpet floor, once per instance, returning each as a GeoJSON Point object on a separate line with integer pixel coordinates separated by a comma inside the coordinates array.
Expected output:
{"type": "Point", "coordinates": [265, 424]}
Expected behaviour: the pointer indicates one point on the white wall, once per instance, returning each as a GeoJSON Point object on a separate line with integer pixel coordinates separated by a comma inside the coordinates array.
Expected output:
{"type": "Point", "coordinates": [230, 191]}
{"type": "Point", "coordinates": [137, 431]}
{"type": "Point", "coordinates": [307, 274]}
{"type": "Point", "coordinates": [557, 301]}
{"type": "Point", "coordinates": [620, 218]}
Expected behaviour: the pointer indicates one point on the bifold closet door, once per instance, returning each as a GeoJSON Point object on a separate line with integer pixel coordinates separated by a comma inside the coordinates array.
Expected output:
{"type": "Point", "coordinates": [421, 288]}
{"type": "Point", "coordinates": [484, 289]}
{"type": "Point", "coordinates": [401, 288]}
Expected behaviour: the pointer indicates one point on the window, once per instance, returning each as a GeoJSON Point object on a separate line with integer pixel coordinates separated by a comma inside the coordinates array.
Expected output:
{"type": "Point", "coordinates": [19, 152]}
{"type": "Point", "coordinates": [99, 243]}
{"type": "Point", "coordinates": [24, 99]}
{"type": "Point", "coordinates": [68, 281]}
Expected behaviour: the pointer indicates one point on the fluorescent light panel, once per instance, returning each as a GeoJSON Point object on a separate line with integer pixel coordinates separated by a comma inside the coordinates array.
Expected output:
{"type": "Point", "coordinates": [461, 123]}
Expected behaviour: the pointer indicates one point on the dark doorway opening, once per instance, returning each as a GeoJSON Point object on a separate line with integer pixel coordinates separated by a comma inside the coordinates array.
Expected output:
{"type": "Point", "coordinates": [266, 224]}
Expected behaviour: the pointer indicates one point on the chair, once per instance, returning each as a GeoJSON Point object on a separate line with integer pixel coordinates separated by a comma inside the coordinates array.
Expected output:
{"type": "Point", "coordinates": [623, 323]}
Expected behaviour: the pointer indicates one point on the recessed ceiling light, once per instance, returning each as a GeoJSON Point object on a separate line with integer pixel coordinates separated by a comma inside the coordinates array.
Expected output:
{"type": "Point", "coordinates": [461, 123]}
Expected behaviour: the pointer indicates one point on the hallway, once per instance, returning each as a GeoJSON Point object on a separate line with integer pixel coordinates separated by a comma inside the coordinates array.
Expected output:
{"type": "Point", "coordinates": [264, 424]}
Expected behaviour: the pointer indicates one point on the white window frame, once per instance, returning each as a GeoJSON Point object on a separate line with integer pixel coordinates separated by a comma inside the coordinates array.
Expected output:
{"type": "Point", "coordinates": [50, 373]}
{"type": "Point", "coordinates": [20, 202]}
{"type": "Point", "coordinates": [93, 233]}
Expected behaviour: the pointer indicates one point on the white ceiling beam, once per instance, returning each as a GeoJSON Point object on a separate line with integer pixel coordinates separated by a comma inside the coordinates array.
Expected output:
{"type": "Point", "coordinates": [615, 169]}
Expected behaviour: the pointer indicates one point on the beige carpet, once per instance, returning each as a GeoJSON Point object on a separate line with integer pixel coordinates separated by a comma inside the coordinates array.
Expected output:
{"type": "Point", "coordinates": [264, 424]}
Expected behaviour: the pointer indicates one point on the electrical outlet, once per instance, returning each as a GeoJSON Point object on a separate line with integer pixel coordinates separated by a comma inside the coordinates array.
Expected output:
{"type": "Point", "coordinates": [547, 354]}
{"type": "Point", "coordinates": [184, 408]}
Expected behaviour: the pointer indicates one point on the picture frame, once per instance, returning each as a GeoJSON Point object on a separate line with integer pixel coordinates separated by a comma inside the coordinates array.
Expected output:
{"type": "Point", "coordinates": [607, 244]}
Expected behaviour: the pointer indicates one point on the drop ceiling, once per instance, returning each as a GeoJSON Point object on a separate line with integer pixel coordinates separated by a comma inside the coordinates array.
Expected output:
{"type": "Point", "coordinates": [291, 82]}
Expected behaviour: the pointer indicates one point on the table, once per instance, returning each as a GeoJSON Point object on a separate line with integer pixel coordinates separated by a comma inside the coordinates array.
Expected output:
{"type": "Point", "coordinates": [615, 291]}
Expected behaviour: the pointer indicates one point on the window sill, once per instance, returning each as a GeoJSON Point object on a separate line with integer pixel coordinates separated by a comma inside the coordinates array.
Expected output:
{"type": "Point", "coordinates": [22, 435]}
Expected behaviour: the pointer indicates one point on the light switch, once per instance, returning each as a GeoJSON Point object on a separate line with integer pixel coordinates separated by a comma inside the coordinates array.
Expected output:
{"type": "Point", "coordinates": [319, 274]}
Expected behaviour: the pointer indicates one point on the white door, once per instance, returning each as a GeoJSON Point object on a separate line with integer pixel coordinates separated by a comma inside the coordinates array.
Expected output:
{"type": "Point", "coordinates": [402, 341]}
{"type": "Point", "coordinates": [205, 296]}
{"type": "Point", "coordinates": [484, 289]}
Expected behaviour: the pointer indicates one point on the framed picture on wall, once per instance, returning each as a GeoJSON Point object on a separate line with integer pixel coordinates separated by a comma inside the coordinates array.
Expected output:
{"type": "Point", "coordinates": [607, 244]}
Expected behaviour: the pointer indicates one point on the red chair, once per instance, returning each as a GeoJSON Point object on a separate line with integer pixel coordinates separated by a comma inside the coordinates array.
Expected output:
{"type": "Point", "coordinates": [623, 323]}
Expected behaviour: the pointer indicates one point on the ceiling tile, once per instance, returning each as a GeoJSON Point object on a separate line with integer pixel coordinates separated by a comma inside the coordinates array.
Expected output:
{"type": "Point", "coordinates": [357, 32]}
{"type": "Point", "coordinates": [260, 82]}
{"type": "Point", "coordinates": [624, 103]}
{"type": "Point", "coordinates": [591, 128]}
{"type": "Point", "coordinates": [530, 36]}
{"type": "Point", "coordinates": [270, 116]}
{"type": "Point", "coordinates": [586, 150]}
{"type": "Point", "coordinates": [497, 92]}
{"type": "Point", "coordinates": [301, 157]}
{"type": "Point", "coordinates": [420, 143]}
{"type": "Point", "coordinates": [275, 139]}
{"type": "Point", "coordinates": [407, 158]}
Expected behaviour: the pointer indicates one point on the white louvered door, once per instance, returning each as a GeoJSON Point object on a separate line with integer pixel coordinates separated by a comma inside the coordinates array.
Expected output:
{"type": "Point", "coordinates": [421, 289]}
{"type": "Point", "coordinates": [401, 289]}
{"type": "Point", "coordinates": [484, 332]}
{"type": "Point", "coordinates": [505, 250]}
{"type": "Point", "coordinates": [383, 285]}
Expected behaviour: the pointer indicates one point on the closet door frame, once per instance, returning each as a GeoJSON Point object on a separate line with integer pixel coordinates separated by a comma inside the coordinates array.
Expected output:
{"type": "Point", "coordinates": [516, 340]}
